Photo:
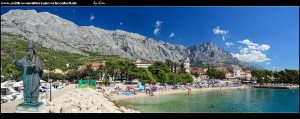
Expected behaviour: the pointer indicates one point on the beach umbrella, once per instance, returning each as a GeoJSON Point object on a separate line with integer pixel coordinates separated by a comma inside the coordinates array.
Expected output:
{"type": "Point", "coordinates": [140, 87]}
{"type": "Point", "coordinates": [131, 87]}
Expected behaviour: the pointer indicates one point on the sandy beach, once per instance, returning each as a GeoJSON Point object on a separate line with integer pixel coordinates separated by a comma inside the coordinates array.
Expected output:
{"type": "Point", "coordinates": [72, 100]}
{"type": "Point", "coordinates": [117, 97]}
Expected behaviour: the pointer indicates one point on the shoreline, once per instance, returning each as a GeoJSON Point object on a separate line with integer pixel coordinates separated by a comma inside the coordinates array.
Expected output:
{"type": "Point", "coordinates": [117, 97]}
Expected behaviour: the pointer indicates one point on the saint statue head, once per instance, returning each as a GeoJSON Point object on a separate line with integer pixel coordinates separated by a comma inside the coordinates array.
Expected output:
{"type": "Point", "coordinates": [30, 50]}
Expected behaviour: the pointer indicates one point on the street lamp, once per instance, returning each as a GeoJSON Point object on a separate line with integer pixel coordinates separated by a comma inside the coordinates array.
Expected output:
{"type": "Point", "coordinates": [50, 80]}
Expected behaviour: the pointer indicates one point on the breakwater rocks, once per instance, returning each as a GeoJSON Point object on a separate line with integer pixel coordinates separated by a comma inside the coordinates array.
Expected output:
{"type": "Point", "coordinates": [85, 101]}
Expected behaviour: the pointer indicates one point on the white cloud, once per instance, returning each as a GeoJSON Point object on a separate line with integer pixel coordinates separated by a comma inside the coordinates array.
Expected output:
{"type": "Point", "coordinates": [244, 50]}
{"type": "Point", "coordinates": [157, 27]}
{"type": "Point", "coordinates": [255, 46]}
{"type": "Point", "coordinates": [253, 52]}
{"type": "Point", "coordinates": [253, 56]}
{"type": "Point", "coordinates": [121, 23]}
{"type": "Point", "coordinates": [218, 31]}
{"type": "Point", "coordinates": [264, 47]}
{"type": "Point", "coordinates": [172, 35]}
{"type": "Point", "coordinates": [228, 44]}
{"type": "Point", "coordinates": [92, 17]}
{"type": "Point", "coordinates": [268, 63]}
{"type": "Point", "coordinates": [248, 42]}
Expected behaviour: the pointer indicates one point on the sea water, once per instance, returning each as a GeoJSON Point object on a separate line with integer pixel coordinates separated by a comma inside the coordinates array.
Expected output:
{"type": "Point", "coordinates": [219, 101]}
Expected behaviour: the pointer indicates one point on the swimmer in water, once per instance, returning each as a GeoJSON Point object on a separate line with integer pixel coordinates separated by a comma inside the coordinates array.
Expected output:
{"type": "Point", "coordinates": [231, 107]}
{"type": "Point", "coordinates": [211, 106]}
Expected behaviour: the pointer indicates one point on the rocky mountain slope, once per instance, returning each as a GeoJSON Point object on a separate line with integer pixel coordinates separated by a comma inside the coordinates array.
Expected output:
{"type": "Point", "coordinates": [210, 53]}
{"type": "Point", "coordinates": [60, 34]}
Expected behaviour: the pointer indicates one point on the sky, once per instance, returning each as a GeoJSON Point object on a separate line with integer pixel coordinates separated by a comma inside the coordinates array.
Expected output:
{"type": "Point", "coordinates": [267, 36]}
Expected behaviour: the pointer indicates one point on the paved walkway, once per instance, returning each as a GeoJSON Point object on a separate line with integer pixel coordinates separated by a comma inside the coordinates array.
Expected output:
{"type": "Point", "coordinates": [10, 106]}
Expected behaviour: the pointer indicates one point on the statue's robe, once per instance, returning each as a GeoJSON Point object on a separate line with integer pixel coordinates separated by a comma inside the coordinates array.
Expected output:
{"type": "Point", "coordinates": [31, 78]}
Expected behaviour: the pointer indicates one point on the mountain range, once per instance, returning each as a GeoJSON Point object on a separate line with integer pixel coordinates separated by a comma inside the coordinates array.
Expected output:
{"type": "Point", "coordinates": [59, 34]}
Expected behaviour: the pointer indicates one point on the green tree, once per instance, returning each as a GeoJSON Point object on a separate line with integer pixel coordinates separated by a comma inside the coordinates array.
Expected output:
{"type": "Point", "coordinates": [220, 74]}
{"type": "Point", "coordinates": [185, 78]}
{"type": "Point", "coordinates": [159, 70]}
{"type": "Point", "coordinates": [73, 75]}
{"type": "Point", "coordinates": [149, 77]}
{"type": "Point", "coordinates": [258, 75]}
{"type": "Point", "coordinates": [89, 72]}
{"type": "Point", "coordinates": [138, 72]}
{"type": "Point", "coordinates": [126, 68]}
{"type": "Point", "coordinates": [292, 76]}
{"type": "Point", "coordinates": [283, 77]}
{"type": "Point", "coordinates": [112, 67]}
{"type": "Point", "coordinates": [101, 70]}
{"type": "Point", "coordinates": [267, 74]}
{"type": "Point", "coordinates": [276, 76]}
{"type": "Point", "coordinates": [158, 65]}
{"type": "Point", "coordinates": [212, 73]}
{"type": "Point", "coordinates": [11, 72]}
{"type": "Point", "coordinates": [162, 76]}
{"type": "Point", "coordinates": [174, 78]}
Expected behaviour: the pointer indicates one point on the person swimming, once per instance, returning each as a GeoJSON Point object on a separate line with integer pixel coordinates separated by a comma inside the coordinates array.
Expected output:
{"type": "Point", "coordinates": [211, 106]}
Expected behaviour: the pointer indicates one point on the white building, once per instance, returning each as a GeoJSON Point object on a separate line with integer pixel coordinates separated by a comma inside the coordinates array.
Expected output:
{"type": "Point", "coordinates": [236, 71]}
{"type": "Point", "coordinates": [141, 64]}
{"type": "Point", "coordinates": [186, 64]}
{"type": "Point", "coordinates": [247, 75]}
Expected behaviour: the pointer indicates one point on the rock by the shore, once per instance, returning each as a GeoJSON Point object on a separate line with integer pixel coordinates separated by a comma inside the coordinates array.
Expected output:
{"type": "Point", "coordinates": [84, 101]}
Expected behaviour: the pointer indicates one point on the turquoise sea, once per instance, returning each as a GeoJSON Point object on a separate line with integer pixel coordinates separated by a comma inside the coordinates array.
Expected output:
{"type": "Point", "coordinates": [231, 101]}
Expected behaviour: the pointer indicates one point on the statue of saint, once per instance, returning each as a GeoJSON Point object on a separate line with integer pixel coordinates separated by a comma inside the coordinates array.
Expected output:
{"type": "Point", "coordinates": [32, 71]}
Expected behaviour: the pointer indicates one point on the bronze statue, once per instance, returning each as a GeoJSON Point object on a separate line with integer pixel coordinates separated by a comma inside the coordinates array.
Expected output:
{"type": "Point", "coordinates": [32, 73]}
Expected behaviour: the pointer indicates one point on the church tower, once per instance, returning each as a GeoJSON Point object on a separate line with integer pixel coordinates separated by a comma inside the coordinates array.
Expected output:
{"type": "Point", "coordinates": [186, 64]}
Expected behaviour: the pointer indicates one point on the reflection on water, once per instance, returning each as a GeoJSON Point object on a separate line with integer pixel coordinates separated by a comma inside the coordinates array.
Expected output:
{"type": "Point", "coordinates": [231, 100]}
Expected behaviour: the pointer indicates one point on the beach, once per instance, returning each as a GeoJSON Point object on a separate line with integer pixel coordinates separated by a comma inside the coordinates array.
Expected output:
{"type": "Point", "coordinates": [248, 100]}
{"type": "Point", "coordinates": [73, 100]}
{"type": "Point", "coordinates": [117, 97]}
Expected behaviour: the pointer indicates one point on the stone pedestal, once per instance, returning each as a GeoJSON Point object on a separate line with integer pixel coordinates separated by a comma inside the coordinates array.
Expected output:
{"type": "Point", "coordinates": [29, 108]}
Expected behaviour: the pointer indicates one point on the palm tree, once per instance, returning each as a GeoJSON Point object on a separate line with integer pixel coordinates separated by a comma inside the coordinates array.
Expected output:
{"type": "Point", "coordinates": [101, 70]}
{"type": "Point", "coordinates": [111, 69]}
{"type": "Point", "coordinates": [129, 66]}
{"type": "Point", "coordinates": [88, 71]}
